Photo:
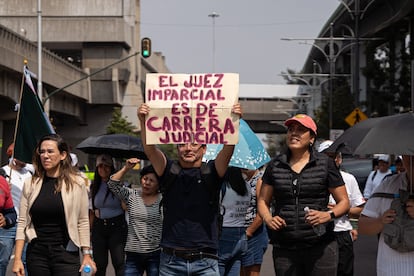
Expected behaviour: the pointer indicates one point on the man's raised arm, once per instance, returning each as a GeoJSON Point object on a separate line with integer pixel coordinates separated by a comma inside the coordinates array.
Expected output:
{"type": "Point", "coordinates": [156, 156]}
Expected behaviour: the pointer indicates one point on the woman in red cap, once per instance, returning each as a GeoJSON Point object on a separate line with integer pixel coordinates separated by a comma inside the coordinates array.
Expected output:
{"type": "Point", "coordinates": [299, 182]}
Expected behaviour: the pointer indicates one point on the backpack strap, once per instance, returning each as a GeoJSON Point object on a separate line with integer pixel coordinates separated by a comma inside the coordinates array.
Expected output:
{"type": "Point", "coordinates": [386, 195]}
{"type": "Point", "coordinates": [206, 177]}
{"type": "Point", "coordinates": [373, 175]}
{"type": "Point", "coordinates": [385, 176]}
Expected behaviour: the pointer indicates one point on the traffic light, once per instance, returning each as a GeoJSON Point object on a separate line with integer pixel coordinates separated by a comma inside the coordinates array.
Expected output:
{"type": "Point", "coordinates": [146, 47]}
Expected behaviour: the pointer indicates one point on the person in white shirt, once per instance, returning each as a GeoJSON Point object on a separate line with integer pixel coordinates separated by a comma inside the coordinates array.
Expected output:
{"type": "Point", "coordinates": [343, 230]}
{"type": "Point", "coordinates": [377, 213]}
{"type": "Point", "coordinates": [377, 176]}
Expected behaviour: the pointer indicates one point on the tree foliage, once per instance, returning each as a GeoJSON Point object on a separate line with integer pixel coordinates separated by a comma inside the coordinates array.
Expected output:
{"type": "Point", "coordinates": [119, 124]}
{"type": "Point", "coordinates": [342, 106]}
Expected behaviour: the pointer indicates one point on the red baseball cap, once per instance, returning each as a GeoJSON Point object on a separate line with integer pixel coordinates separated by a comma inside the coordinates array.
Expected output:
{"type": "Point", "coordinates": [304, 120]}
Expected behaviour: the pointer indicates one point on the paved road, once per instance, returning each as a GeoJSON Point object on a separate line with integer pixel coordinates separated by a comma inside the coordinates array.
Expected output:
{"type": "Point", "coordinates": [365, 257]}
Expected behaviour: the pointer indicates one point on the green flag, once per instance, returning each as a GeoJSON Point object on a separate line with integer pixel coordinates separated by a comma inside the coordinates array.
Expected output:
{"type": "Point", "coordinates": [32, 122]}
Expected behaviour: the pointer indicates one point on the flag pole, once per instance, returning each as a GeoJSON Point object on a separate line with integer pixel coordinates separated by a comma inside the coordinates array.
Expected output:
{"type": "Point", "coordinates": [39, 50]}
{"type": "Point", "coordinates": [18, 109]}
{"type": "Point", "coordinates": [17, 120]}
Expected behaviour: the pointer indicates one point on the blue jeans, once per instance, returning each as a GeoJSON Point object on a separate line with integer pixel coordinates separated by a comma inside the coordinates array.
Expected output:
{"type": "Point", "coordinates": [257, 245]}
{"type": "Point", "coordinates": [7, 241]}
{"type": "Point", "coordinates": [6, 247]}
{"type": "Point", "coordinates": [232, 244]}
{"type": "Point", "coordinates": [137, 263]}
{"type": "Point", "coordinates": [172, 265]}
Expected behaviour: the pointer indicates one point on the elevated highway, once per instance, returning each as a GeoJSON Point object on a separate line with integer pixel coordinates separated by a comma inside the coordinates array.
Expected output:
{"type": "Point", "coordinates": [265, 112]}
{"type": "Point", "coordinates": [56, 72]}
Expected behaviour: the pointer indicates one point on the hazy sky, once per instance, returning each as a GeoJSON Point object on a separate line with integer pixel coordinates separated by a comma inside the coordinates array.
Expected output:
{"type": "Point", "coordinates": [247, 34]}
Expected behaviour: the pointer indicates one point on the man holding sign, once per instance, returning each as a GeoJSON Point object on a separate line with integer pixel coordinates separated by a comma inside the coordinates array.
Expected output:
{"type": "Point", "coordinates": [190, 229]}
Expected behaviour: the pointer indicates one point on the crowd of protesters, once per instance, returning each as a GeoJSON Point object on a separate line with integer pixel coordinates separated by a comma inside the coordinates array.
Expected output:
{"type": "Point", "coordinates": [174, 223]}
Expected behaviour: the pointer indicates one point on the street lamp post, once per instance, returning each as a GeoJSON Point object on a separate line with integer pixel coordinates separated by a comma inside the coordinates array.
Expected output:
{"type": "Point", "coordinates": [214, 15]}
{"type": "Point", "coordinates": [331, 59]}
{"type": "Point", "coordinates": [309, 81]}
{"type": "Point", "coordinates": [331, 74]}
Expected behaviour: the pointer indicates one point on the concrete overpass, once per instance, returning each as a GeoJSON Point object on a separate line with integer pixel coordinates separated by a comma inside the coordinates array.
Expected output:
{"type": "Point", "coordinates": [265, 106]}
{"type": "Point", "coordinates": [93, 37]}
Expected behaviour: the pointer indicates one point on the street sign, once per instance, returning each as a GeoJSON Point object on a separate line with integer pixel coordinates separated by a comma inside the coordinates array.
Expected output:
{"type": "Point", "coordinates": [355, 116]}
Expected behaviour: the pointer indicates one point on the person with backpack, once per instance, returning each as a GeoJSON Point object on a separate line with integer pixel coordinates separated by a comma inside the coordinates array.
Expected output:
{"type": "Point", "coordinates": [390, 213]}
{"type": "Point", "coordinates": [189, 240]}
{"type": "Point", "coordinates": [377, 176]}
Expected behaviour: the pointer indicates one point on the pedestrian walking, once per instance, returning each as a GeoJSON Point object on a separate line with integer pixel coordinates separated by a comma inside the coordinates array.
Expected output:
{"type": "Point", "coordinates": [189, 240]}
{"type": "Point", "coordinates": [235, 199]}
{"type": "Point", "coordinates": [300, 181]}
{"type": "Point", "coordinates": [16, 173]}
{"type": "Point", "coordinates": [109, 227]}
{"type": "Point", "coordinates": [344, 233]}
{"type": "Point", "coordinates": [377, 175]}
{"type": "Point", "coordinates": [256, 233]}
{"type": "Point", "coordinates": [388, 210]}
{"type": "Point", "coordinates": [142, 247]}
{"type": "Point", "coordinates": [8, 218]}
{"type": "Point", "coordinates": [53, 216]}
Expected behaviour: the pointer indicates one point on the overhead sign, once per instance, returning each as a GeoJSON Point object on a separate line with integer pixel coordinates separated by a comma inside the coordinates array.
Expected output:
{"type": "Point", "coordinates": [355, 116]}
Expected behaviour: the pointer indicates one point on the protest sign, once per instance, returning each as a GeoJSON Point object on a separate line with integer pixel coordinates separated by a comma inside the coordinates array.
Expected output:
{"type": "Point", "coordinates": [192, 108]}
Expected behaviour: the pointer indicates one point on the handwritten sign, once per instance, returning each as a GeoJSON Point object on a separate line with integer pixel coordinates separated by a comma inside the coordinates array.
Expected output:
{"type": "Point", "coordinates": [192, 108]}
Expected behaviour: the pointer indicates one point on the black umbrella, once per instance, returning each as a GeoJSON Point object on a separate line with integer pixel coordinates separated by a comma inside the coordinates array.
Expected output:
{"type": "Point", "coordinates": [390, 135]}
{"type": "Point", "coordinates": [116, 145]}
{"type": "Point", "coordinates": [352, 137]}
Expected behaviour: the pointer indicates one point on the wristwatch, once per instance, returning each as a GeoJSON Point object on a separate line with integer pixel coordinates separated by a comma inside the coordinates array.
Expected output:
{"type": "Point", "coordinates": [87, 252]}
{"type": "Point", "coordinates": [332, 214]}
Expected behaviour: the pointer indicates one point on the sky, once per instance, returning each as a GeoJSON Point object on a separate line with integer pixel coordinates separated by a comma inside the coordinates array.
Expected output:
{"type": "Point", "coordinates": [245, 38]}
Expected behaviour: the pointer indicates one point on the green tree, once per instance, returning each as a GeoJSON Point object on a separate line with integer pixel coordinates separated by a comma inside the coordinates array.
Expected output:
{"type": "Point", "coordinates": [342, 105]}
{"type": "Point", "coordinates": [388, 73]}
{"type": "Point", "coordinates": [169, 150]}
{"type": "Point", "coordinates": [119, 124]}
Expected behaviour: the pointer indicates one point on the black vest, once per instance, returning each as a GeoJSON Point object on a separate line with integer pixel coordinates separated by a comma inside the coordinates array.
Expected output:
{"type": "Point", "coordinates": [292, 196]}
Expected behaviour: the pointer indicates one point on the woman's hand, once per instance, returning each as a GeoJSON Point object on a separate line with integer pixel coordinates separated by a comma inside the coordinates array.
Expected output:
{"type": "Point", "coordinates": [131, 162]}
{"type": "Point", "coordinates": [87, 260]}
{"type": "Point", "coordinates": [314, 217]}
{"type": "Point", "coordinates": [275, 223]}
{"type": "Point", "coordinates": [18, 267]}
